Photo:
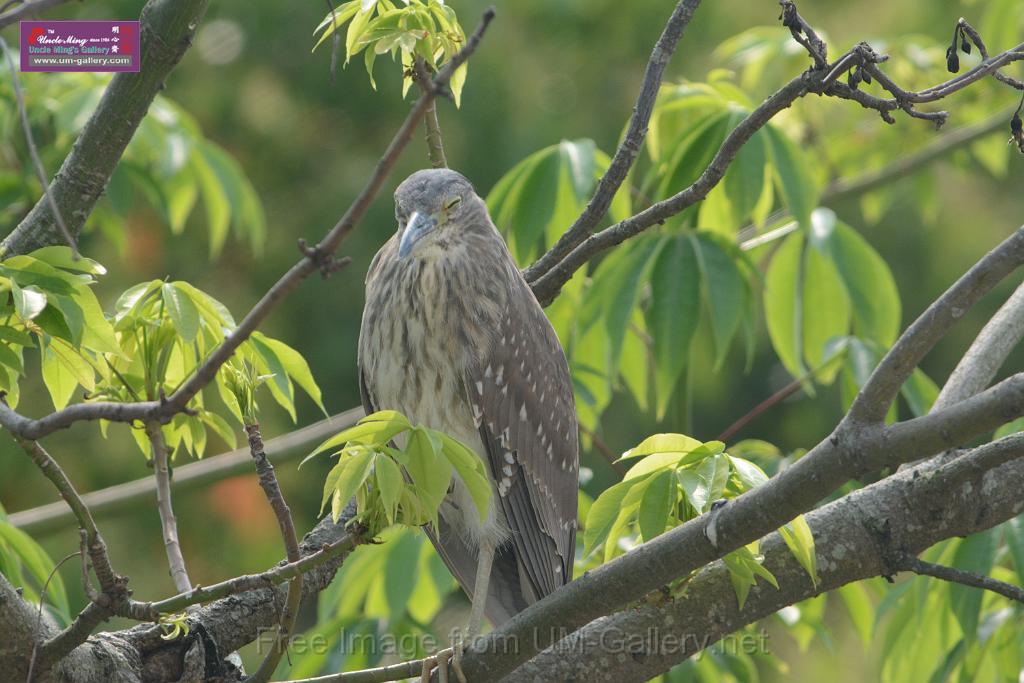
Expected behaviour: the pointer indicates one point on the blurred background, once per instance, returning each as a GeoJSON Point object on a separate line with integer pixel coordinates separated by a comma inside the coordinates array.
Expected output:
{"type": "Point", "coordinates": [549, 70]}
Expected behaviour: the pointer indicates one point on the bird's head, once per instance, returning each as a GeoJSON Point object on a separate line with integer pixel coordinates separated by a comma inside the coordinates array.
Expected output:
{"type": "Point", "coordinates": [431, 207]}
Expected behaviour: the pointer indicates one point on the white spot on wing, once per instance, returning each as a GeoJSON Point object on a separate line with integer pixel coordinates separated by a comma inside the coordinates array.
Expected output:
{"type": "Point", "coordinates": [507, 469]}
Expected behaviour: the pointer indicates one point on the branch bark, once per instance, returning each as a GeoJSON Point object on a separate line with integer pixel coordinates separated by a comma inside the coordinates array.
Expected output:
{"type": "Point", "coordinates": [319, 258]}
{"type": "Point", "coordinates": [856, 537]}
{"type": "Point", "coordinates": [628, 149]}
{"type": "Point", "coordinates": [168, 522]}
{"type": "Point", "coordinates": [268, 482]}
{"type": "Point", "coordinates": [855, 447]}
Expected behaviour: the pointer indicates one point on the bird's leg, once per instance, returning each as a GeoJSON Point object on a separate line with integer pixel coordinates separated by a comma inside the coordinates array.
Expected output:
{"type": "Point", "coordinates": [485, 559]}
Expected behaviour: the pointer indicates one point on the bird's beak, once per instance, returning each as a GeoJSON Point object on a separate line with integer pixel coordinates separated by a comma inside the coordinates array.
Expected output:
{"type": "Point", "coordinates": [420, 225]}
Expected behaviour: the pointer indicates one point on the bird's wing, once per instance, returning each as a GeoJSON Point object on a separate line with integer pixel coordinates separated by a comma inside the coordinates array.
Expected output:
{"type": "Point", "coordinates": [522, 401]}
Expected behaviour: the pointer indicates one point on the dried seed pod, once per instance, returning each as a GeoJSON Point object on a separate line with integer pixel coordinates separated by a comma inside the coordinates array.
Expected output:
{"type": "Point", "coordinates": [965, 45]}
{"type": "Point", "coordinates": [952, 59]}
{"type": "Point", "coordinates": [865, 75]}
{"type": "Point", "coordinates": [853, 78]}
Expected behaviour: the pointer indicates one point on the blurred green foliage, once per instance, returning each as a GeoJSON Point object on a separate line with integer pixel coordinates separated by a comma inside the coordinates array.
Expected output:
{"type": "Point", "coordinates": [551, 90]}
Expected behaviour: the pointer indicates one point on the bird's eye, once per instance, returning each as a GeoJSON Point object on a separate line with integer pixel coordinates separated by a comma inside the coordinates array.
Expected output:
{"type": "Point", "coordinates": [452, 203]}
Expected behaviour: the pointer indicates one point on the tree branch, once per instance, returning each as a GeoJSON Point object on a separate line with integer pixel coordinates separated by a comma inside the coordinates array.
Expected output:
{"type": "Point", "coordinates": [853, 448]}
{"type": "Point", "coordinates": [630, 146]}
{"type": "Point", "coordinates": [166, 29]}
{"type": "Point", "coordinates": [26, 10]}
{"type": "Point", "coordinates": [987, 354]}
{"type": "Point", "coordinates": [318, 258]}
{"type": "Point", "coordinates": [168, 522]}
{"type": "Point", "coordinates": [855, 538]}
{"type": "Point", "coordinates": [909, 563]}
{"type": "Point", "coordinates": [881, 389]}
{"type": "Point", "coordinates": [552, 270]}
{"type": "Point", "coordinates": [268, 482]}
{"type": "Point", "coordinates": [33, 152]}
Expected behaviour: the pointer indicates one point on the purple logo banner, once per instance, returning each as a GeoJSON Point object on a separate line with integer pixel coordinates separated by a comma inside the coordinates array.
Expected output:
{"type": "Point", "coordinates": [80, 46]}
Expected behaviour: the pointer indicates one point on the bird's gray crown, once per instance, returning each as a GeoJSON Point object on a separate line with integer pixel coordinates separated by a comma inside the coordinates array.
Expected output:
{"type": "Point", "coordinates": [427, 190]}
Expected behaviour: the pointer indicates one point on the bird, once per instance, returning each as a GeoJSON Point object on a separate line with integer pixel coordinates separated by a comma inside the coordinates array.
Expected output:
{"type": "Point", "coordinates": [453, 337]}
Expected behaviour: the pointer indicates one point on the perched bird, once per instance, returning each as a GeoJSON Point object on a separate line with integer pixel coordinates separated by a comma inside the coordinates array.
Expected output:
{"type": "Point", "coordinates": [453, 337]}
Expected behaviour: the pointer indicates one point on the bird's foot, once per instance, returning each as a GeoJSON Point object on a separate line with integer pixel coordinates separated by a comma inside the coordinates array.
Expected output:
{"type": "Point", "coordinates": [442, 660]}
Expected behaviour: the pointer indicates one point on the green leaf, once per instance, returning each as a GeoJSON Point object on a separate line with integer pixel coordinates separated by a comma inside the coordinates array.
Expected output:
{"type": "Point", "coordinates": [800, 541]}
{"type": "Point", "coordinates": [674, 314]}
{"type": "Point", "coordinates": [976, 554]}
{"type": "Point", "coordinates": [695, 488]}
{"type": "Point", "coordinates": [782, 308]}
{"type": "Point", "coordinates": [62, 257]}
{"type": "Point", "coordinates": [428, 470]}
{"type": "Point", "coordinates": [744, 180]}
{"type": "Point", "coordinates": [726, 293]}
{"type": "Point", "coordinates": [662, 443]}
{"type": "Point", "coordinates": [375, 429]}
{"type": "Point", "coordinates": [350, 479]}
{"type": "Point", "coordinates": [749, 474]}
{"type": "Point", "coordinates": [29, 302]}
{"type": "Point", "coordinates": [603, 514]}
{"type": "Point", "coordinates": [296, 367]}
{"type": "Point", "coordinates": [38, 564]}
{"type": "Point", "coordinates": [331, 481]}
{"type": "Point", "coordinates": [657, 503]}
{"type": "Point", "coordinates": [872, 289]}
{"type": "Point", "coordinates": [63, 370]}
{"type": "Point", "coordinates": [615, 291]}
{"type": "Point", "coordinates": [920, 392]}
{"type": "Point", "coordinates": [794, 178]}
{"type": "Point", "coordinates": [858, 605]}
{"type": "Point", "coordinates": [825, 311]}
{"type": "Point", "coordinates": [390, 484]}
{"type": "Point", "coordinates": [470, 470]}
{"type": "Point", "coordinates": [182, 311]}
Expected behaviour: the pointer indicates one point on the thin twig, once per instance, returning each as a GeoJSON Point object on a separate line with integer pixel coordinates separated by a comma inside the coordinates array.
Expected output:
{"type": "Point", "coordinates": [435, 143]}
{"type": "Point", "coordinates": [773, 400]}
{"type": "Point", "coordinates": [27, 9]}
{"type": "Point", "coordinates": [604, 450]}
{"type": "Point", "coordinates": [268, 482]}
{"type": "Point", "coordinates": [381, 674]}
{"type": "Point", "coordinates": [315, 259]}
{"type": "Point", "coordinates": [909, 563]}
{"type": "Point", "coordinates": [39, 614]}
{"type": "Point", "coordinates": [553, 270]}
{"type": "Point", "coordinates": [271, 577]}
{"type": "Point", "coordinates": [628, 149]}
{"type": "Point", "coordinates": [168, 522]}
{"type": "Point", "coordinates": [33, 152]}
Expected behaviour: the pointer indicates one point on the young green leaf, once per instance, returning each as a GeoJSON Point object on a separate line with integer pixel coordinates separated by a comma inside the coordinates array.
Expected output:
{"type": "Point", "coordinates": [657, 503]}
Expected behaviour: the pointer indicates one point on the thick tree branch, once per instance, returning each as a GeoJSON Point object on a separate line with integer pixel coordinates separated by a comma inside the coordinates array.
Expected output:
{"type": "Point", "coordinates": [628, 149]}
{"type": "Point", "coordinates": [987, 354]}
{"type": "Point", "coordinates": [855, 447]}
{"type": "Point", "coordinates": [856, 538]}
{"type": "Point", "coordinates": [114, 499]}
{"type": "Point", "coordinates": [880, 390]}
{"type": "Point", "coordinates": [33, 152]}
{"type": "Point", "coordinates": [166, 33]}
{"type": "Point", "coordinates": [318, 258]}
